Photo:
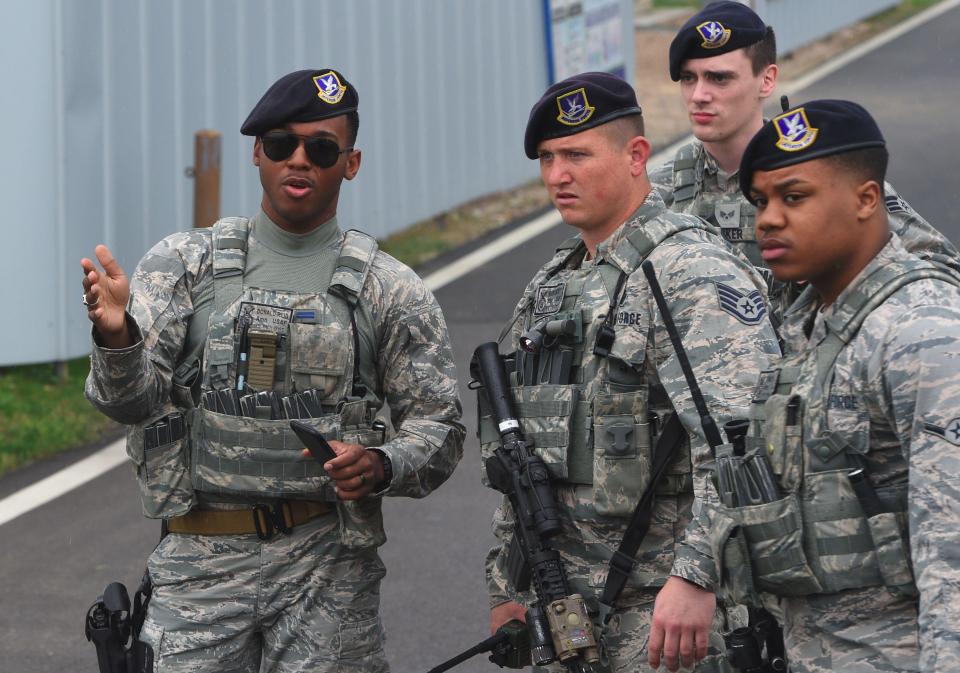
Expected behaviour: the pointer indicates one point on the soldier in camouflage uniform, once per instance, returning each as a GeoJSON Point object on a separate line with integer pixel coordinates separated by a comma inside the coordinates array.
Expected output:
{"type": "Point", "coordinates": [725, 60]}
{"type": "Point", "coordinates": [270, 562]}
{"type": "Point", "coordinates": [601, 392]}
{"type": "Point", "coordinates": [860, 550]}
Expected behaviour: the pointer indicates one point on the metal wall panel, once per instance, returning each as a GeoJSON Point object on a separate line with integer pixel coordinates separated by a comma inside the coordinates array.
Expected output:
{"type": "Point", "coordinates": [110, 93]}
{"type": "Point", "coordinates": [798, 22]}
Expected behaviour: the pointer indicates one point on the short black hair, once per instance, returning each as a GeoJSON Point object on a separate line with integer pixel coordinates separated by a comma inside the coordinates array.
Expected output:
{"type": "Point", "coordinates": [764, 52]}
{"type": "Point", "coordinates": [353, 126]}
{"type": "Point", "coordinates": [867, 164]}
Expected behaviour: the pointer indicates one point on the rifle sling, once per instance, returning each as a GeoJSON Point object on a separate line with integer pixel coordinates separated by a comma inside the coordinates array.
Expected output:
{"type": "Point", "coordinates": [621, 563]}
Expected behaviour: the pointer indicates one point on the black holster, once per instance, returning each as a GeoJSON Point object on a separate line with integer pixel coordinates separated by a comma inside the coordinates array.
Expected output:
{"type": "Point", "coordinates": [114, 629]}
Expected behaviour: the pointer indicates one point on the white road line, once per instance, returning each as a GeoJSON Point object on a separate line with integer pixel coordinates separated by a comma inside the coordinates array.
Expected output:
{"type": "Point", "coordinates": [67, 479]}
{"type": "Point", "coordinates": [106, 459]}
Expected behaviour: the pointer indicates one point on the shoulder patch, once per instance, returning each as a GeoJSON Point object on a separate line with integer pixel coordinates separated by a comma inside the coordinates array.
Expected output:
{"type": "Point", "coordinates": [951, 432]}
{"type": "Point", "coordinates": [748, 308]}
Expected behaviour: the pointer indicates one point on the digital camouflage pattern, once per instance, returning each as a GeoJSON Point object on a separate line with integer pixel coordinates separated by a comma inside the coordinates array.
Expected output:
{"type": "Point", "coordinates": [726, 354]}
{"type": "Point", "coordinates": [315, 601]}
{"type": "Point", "coordinates": [707, 191]}
{"type": "Point", "coordinates": [894, 401]}
{"type": "Point", "coordinates": [329, 576]}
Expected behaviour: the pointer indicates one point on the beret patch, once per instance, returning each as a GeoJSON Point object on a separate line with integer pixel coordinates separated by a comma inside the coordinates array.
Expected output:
{"type": "Point", "coordinates": [714, 34]}
{"type": "Point", "coordinates": [330, 88]}
{"type": "Point", "coordinates": [794, 130]}
{"type": "Point", "coordinates": [575, 109]}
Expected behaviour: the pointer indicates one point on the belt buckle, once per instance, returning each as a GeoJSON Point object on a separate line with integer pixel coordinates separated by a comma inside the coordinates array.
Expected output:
{"type": "Point", "coordinates": [281, 514]}
{"type": "Point", "coordinates": [263, 521]}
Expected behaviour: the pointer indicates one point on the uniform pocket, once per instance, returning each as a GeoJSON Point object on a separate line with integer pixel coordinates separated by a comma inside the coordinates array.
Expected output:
{"type": "Point", "coordinates": [893, 557]}
{"type": "Point", "coordinates": [621, 452]}
{"type": "Point", "coordinates": [732, 558]}
{"type": "Point", "coordinates": [320, 357]}
{"type": "Point", "coordinates": [159, 449]}
{"type": "Point", "coordinates": [361, 647]}
{"type": "Point", "coordinates": [774, 538]}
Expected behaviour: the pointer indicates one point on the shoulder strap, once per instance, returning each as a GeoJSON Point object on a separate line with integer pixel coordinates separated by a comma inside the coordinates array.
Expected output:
{"type": "Point", "coordinates": [353, 266]}
{"type": "Point", "coordinates": [642, 240]}
{"type": "Point", "coordinates": [229, 260]}
{"type": "Point", "coordinates": [870, 294]}
{"type": "Point", "coordinates": [685, 173]}
{"type": "Point", "coordinates": [229, 253]}
{"type": "Point", "coordinates": [349, 276]}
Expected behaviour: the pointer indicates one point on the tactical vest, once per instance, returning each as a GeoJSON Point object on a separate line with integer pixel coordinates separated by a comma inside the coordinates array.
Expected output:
{"type": "Point", "coordinates": [235, 457]}
{"type": "Point", "coordinates": [585, 404]}
{"type": "Point", "coordinates": [823, 535]}
{"type": "Point", "coordinates": [732, 214]}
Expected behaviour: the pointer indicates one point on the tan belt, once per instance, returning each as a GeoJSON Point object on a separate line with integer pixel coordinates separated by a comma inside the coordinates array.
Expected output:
{"type": "Point", "coordinates": [264, 520]}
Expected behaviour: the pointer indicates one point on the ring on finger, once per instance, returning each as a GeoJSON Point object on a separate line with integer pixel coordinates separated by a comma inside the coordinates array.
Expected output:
{"type": "Point", "coordinates": [89, 304]}
{"type": "Point", "coordinates": [363, 479]}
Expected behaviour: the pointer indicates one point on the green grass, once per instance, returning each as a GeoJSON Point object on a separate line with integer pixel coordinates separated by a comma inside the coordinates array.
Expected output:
{"type": "Point", "coordinates": [41, 415]}
{"type": "Point", "coordinates": [669, 4]}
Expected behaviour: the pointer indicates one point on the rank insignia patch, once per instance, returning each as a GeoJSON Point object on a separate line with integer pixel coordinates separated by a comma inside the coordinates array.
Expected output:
{"type": "Point", "coordinates": [574, 107]}
{"type": "Point", "coordinates": [714, 34]}
{"type": "Point", "coordinates": [728, 215]}
{"type": "Point", "coordinates": [329, 88]}
{"type": "Point", "coordinates": [895, 204]}
{"type": "Point", "coordinates": [747, 308]}
{"type": "Point", "coordinates": [951, 432]}
{"type": "Point", "coordinates": [794, 130]}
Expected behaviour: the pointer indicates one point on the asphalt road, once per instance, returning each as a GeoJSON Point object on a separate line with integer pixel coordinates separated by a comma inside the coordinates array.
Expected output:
{"type": "Point", "coordinates": [55, 559]}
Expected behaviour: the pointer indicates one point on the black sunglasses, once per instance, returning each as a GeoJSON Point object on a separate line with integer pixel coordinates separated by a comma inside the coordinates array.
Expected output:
{"type": "Point", "coordinates": [323, 152]}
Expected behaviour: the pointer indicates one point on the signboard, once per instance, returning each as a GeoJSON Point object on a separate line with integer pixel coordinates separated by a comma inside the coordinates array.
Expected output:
{"type": "Point", "coordinates": [584, 35]}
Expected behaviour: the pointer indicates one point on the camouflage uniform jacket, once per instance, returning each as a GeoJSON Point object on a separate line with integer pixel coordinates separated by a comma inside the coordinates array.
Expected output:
{"type": "Point", "coordinates": [694, 183]}
{"type": "Point", "coordinates": [894, 404]}
{"type": "Point", "coordinates": [727, 349]}
{"type": "Point", "coordinates": [404, 350]}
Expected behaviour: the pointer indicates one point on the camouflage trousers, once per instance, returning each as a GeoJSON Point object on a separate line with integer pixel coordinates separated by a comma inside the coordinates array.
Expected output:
{"type": "Point", "coordinates": [236, 604]}
{"type": "Point", "coordinates": [854, 631]}
{"type": "Point", "coordinates": [629, 631]}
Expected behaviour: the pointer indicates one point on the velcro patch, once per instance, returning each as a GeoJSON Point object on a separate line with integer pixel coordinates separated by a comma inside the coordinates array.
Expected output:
{"type": "Point", "coordinates": [549, 299]}
{"type": "Point", "coordinates": [747, 308]}
{"type": "Point", "coordinates": [264, 317]}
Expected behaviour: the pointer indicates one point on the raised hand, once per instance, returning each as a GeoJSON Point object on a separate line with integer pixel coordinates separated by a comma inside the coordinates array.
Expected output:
{"type": "Point", "coordinates": [105, 294]}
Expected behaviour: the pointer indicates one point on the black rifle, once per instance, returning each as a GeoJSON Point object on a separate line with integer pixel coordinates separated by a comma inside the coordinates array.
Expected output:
{"type": "Point", "coordinates": [558, 625]}
{"type": "Point", "coordinates": [744, 645]}
{"type": "Point", "coordinates": [115, 630]}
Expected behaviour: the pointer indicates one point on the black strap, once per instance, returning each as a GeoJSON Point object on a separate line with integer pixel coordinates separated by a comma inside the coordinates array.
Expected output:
{"type": "Point", "coordinates": [621, 563]}
{"type": "Point", "coordinates": [359, 389]}
{"type": "Point", "coordinates": [606, 334]}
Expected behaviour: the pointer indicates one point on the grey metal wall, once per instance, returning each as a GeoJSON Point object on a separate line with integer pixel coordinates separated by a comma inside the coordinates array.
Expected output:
{"type": "Point", "coordinates": [102, 98]}
{"type": "Point", "coordinates": [799, 22]}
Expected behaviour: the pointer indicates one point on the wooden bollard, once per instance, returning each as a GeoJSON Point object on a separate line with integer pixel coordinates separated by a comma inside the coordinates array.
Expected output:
{"type": "Point", "coordinates": [206, 178]}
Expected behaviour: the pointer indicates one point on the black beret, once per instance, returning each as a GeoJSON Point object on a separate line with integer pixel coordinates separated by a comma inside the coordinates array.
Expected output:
{"type": "Point", "coordinates": [716, 29]}
{"type": "Point", "coordinates": [301, 96]}
{"type": "Point", "coordinates": [818, 129]}
{"type": "Point", "coordinates": [576, 104]}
